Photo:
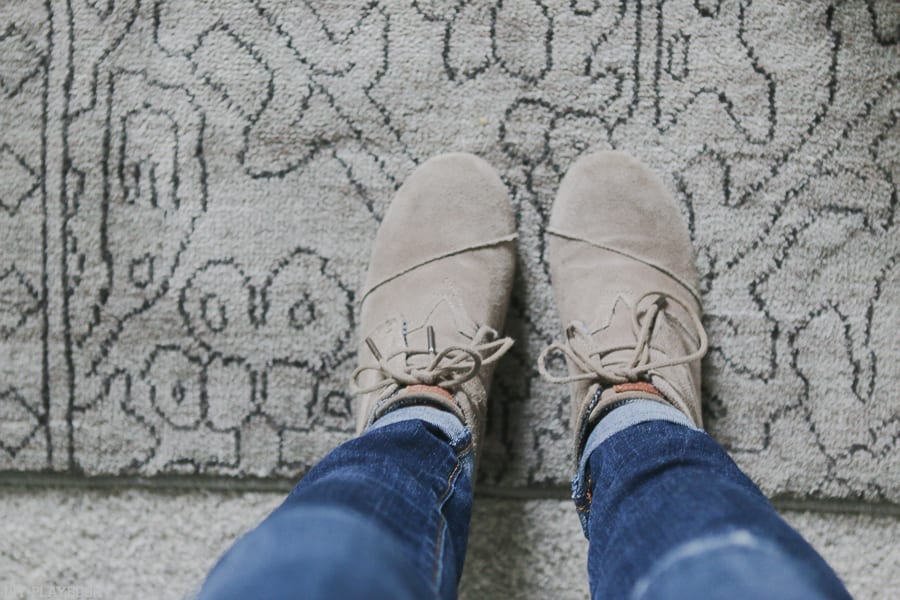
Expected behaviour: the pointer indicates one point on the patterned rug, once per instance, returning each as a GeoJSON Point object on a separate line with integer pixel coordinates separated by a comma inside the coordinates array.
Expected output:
{"type": "Point", "coordinates": [188, 191]}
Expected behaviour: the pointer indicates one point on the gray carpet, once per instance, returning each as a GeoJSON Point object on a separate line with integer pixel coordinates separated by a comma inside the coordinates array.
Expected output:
{"type": "Point", "coordinates": [188, 191]}
{"type": "Point", "coordinates": [158, 544]}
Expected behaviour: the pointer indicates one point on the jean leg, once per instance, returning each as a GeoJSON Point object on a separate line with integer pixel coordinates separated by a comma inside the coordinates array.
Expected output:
{"type": "Point", "coordinates": [385, 515]}
{"type": "Point", "coordinates": [669, 515]}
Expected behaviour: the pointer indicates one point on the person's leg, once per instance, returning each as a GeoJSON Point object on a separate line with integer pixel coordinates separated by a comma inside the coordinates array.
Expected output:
{"type": "Point", "coordinates": [669, 515]}
{"type": "Point", "coordinates": [385, 515]}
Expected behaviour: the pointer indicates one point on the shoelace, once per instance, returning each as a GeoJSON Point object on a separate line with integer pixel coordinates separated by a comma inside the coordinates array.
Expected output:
{"type": "Point", "coordinates": [591, 364]}
{"type": "Point", "coordinates": [452, 366]}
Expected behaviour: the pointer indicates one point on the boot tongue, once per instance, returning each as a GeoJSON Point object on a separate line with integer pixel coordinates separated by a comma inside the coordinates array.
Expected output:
{"type": "Point", "coordinates": [446, 324]}
{"type": "Point", "coordinates": [617, 332]}
{"type": "Point", "coordinates": [428, 394]}
{"type": "Point", "coordinates": [669, 385]}
{"type": "Point", "coordinates": [448, 318]}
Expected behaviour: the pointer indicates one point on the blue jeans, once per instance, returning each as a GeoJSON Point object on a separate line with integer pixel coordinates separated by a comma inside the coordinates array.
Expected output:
{"type": "Point", "coordinates": [386, 515]}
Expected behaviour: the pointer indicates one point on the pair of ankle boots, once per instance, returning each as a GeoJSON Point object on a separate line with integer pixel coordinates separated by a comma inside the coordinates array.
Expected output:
{"type": "Point", "coordinates": [440, 277]}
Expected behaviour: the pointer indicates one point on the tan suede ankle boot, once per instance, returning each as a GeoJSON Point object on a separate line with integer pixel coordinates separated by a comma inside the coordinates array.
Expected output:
{"type": "Point", "coordinates": [623, 274]}
{"type": "Point", "coordinates": [436, 293]}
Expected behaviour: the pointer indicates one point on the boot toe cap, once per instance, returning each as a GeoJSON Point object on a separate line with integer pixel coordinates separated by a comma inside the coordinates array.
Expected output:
{"type": "Point", "coordinates": [450, 203]}
{"type": "Point", "coordinates": [613, 201]}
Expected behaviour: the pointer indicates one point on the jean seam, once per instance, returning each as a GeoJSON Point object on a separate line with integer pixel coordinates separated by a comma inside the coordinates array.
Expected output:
{"type": "Point", "coordinates": [442, 500]}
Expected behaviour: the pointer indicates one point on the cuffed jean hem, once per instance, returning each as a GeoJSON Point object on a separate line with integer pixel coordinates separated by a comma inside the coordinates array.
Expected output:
{"type": "Point", "coordinates": [631, 412]}
{"type": "Point", "coordinates": [447, 423]}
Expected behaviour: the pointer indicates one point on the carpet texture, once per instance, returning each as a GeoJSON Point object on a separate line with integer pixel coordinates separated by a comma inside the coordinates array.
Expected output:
{"type": "Point", "coordinates": [147, 544]}
{"type": "Point", "coordinates": [188, 191]}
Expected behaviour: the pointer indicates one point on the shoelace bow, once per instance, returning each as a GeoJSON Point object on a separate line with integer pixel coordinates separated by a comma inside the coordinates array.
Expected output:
{"type": "Point", "coordinates": [591, 364]}
{"type": "Point", "coordinates": [452, 366]}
